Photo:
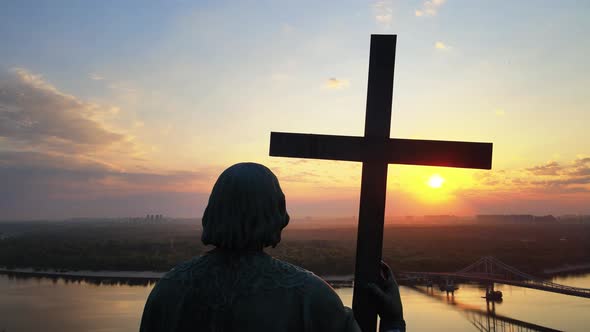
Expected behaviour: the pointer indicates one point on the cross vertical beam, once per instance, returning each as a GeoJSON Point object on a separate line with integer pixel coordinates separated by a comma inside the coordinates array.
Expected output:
{"type": "Point", "coordinates": [374, 180]}
{"type": "Point", "coordinates": [376, 150]}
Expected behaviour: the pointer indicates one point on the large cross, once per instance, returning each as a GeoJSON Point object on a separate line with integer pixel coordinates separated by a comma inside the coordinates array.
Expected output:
{"type": "Point", "coordinates": [376, 150]}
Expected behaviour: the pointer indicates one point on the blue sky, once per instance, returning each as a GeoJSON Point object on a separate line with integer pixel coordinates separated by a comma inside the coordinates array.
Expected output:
{"type": "Point", "coordinates": [157, 98]}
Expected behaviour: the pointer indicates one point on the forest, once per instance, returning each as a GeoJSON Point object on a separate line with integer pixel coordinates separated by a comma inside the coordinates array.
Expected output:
{"type": "Point", "coordinates": [330, 250]}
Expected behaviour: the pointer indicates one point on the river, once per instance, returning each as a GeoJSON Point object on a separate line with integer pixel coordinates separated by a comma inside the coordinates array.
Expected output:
{"type": "Point", "coordinates": [42, 304]}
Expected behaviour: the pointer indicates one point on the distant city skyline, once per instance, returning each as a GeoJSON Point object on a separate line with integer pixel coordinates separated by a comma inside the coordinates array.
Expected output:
{"type": "Point", "coordinates": [114, 109]}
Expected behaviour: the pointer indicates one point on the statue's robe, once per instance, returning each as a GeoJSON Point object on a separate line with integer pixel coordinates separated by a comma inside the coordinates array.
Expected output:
{"type": "Point", "coordinates": [238, 291]}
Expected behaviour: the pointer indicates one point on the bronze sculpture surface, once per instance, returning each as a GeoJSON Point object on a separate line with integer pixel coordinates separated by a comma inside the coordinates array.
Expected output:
{"type": "Point", "coordinates": [238, 287]}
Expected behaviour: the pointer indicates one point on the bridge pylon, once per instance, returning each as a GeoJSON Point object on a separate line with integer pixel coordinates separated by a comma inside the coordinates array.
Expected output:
{"type": "Point", "coordinates": [491, 270]}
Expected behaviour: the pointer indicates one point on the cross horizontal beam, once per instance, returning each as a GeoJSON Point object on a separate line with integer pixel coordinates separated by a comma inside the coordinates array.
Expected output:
{"type": "Point", "coordinates": [388, 150]}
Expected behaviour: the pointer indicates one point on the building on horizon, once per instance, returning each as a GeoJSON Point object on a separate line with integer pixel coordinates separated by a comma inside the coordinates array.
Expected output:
{"type": "Point", "coordinates": [149, 218]}
{"type": "Point", "coordinates": [441, 218]}
{"type": "Point", "coordinates": [548, 219]}
{"type": "Point", "coordinates": [504, 218]}
{"type": "Point", "coordinates": [574, 218]}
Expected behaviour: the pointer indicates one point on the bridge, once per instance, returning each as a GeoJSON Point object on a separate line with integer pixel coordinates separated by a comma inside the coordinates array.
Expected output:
{"type": "Point", "coordinates": [486, 320]}
{"type": "Point", "coordinates": [490, 270]}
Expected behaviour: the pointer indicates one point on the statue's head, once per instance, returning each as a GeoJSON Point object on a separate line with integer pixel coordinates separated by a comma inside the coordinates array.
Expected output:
{"type": "Point", "coordinates": [246, 209]}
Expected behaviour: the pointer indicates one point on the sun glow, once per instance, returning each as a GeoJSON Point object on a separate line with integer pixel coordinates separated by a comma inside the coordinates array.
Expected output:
{"type": "Point", "coordinates": [436, 181]}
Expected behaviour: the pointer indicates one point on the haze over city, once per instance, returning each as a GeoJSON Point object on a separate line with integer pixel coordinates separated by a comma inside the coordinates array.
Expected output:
{"type": "Point", "coordinates": [104, 113]}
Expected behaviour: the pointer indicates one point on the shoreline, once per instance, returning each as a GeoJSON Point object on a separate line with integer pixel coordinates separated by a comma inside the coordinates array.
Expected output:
{"type": "Point", "coordinates": [568, 268]}
{"type": "Point", "coordinates": [153, 276]}
{"type": "Point", "coordinates": [146, 277]}
{"type": "Point", "coordinates": [140, 275]}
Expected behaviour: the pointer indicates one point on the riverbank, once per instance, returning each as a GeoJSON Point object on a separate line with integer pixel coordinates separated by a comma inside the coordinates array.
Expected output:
{"type": "Point", "coordinates": [568, 269]}
{"type": "Point", "coordinates": [129, 277]}
{"type": "Point", "coordinates": [147, 277]}
{"type": "Point", "coordinates": [141, 275]}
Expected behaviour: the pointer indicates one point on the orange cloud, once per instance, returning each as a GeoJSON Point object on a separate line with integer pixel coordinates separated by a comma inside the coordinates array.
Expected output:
{"type": "Point", "coordinates": [34, 113]}
{"type": "Point", "coordinates": [442, 46]}
{"type": "Point", "coordinates": [429, 8]}
{"type": "Point", "coordinates": [333, 83]}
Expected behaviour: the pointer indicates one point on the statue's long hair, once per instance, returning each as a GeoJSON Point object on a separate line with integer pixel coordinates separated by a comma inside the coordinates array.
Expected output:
{"type": "Point", "coordinates": [246, 209]}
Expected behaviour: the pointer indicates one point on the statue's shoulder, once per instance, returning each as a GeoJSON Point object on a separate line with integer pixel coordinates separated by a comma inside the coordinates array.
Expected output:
{"type": "Point", "coordinates": [256, 272]}
{"type": "Point", "coordinates": [312, 285]}
{"type": "Point", "coordinates": [216, 280]}
{"type": "Point", "coordinates": [188, 270]}
{"type": "Point", "coordinates": [287, 267]}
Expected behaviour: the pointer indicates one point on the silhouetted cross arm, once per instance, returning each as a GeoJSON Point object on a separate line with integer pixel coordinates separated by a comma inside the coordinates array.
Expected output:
{"type": "Point", "coordinates": [389, 150]}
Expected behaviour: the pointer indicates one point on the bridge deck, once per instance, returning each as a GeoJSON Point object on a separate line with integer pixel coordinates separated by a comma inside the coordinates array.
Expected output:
{"type": "Point", "coordinates": [534, 284]}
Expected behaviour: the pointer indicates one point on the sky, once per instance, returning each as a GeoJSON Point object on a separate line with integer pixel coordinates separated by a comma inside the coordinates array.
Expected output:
{"type": "Point", "coordinates": [116, 109]}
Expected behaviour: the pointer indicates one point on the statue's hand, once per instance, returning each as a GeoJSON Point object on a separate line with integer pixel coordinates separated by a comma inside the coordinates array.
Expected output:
{"type": "Point", "coordinates": [389, 303]}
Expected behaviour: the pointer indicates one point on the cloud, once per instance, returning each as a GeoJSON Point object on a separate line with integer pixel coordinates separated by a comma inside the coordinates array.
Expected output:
{"type": "Point", "coordinates": [577, 169]}
{"type": "Point", "coordinates": [95, 77]}
{"type": "Point", "coordinates": [549, 188]}
{"type": "Point", "coordinates": [315, 171]}
{"type": "Point", "coordinates": [33, 160]}
{"type": "Point", "coordinates": [35, 114]}
{"type": "Point", "coordinates": [429, 8]}
{"type": "Point", "coordinates": [287, 28]}
{"type": "Point", "coordinates": [383, 11]}
{"type": "Point", "coordinates": [333, 83]}
{"type": "Point", "coordinates": [565, 182]}
{"type": "Point", "coordinates": [580, 167]}
{"type": "Point", "coordinates": [550, 178]}
{"type": "Point", "coordinates": [442, 46]}
{"type": "Point", "coordinates": [123, 87]}
{"type": "Point", "coordinates": [280, 77]}
{"type": "Point", "coordinates": [60, 158]}
{"type": "Point", "coordinates": [551, 168]}
{"type": "Point", "coordinates": [49, 185]}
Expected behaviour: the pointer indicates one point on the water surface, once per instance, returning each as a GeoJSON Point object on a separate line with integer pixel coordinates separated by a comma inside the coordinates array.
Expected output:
{"type": "Point", "coordinates": [42, 304]}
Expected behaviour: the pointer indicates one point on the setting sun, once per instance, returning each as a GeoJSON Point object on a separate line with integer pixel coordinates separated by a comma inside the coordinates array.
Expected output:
{"type": "Point", "coordinates": [436, 181]}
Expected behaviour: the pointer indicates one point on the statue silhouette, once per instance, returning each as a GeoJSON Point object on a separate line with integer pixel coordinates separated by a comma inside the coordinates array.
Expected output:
{"type": "Point", "coordinates": [238, 287]}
